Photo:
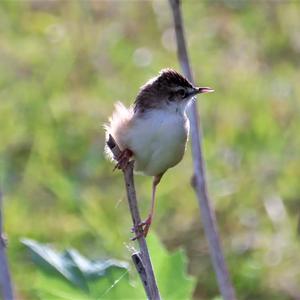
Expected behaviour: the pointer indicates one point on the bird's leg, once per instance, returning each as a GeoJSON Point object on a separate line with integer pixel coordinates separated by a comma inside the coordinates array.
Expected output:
{"type": "Point", "coordinates": [123, 159]}
{"type": "Point", "coordinates": [148, 221]}
{"type": "Point", "coordinates": [143, 228]}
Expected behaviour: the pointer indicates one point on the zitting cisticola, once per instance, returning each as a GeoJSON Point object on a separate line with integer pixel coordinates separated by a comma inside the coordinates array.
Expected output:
{"type": "Point", "coordinates": [154, 131]}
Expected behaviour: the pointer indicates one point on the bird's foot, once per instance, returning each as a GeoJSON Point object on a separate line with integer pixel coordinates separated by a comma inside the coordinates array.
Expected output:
{"type": "Point", "coordinates": [142, 228]}
{"type": "Point", "coordinates": [123, 159]}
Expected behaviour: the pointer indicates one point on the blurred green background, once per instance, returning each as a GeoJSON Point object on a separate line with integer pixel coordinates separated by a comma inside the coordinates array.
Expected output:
{"type": "Point", "coordinates": [62, 66]}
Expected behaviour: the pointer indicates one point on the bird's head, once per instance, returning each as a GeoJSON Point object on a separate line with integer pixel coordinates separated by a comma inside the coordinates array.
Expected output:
{"type": "Point", "coordinates": [169, 88]}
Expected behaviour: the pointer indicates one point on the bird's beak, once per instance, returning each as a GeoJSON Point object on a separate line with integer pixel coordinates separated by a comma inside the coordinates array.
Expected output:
{"type": "Point", "coordinates": [202, 90]}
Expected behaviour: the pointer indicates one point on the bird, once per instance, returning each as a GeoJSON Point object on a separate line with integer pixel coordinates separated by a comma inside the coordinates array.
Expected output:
{"type": "Point", "coordinates": [154, 130]}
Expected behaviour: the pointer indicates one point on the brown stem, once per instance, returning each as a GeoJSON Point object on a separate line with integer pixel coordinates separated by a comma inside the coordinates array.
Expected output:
{"type": "Point", "coordinates": [5, 278]}
{"type": "Point", "coordinates": [199, 177]}
{"type": "Point", "coordinates": [142, 259]}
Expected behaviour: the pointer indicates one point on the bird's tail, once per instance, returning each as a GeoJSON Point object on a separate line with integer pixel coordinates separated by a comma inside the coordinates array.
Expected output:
{"type": "Point", "coordinates": [117, 126]}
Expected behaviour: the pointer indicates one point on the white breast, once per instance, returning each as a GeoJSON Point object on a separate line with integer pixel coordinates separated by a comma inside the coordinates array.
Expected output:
{"type": "Point", "coordinates": [158, 140]}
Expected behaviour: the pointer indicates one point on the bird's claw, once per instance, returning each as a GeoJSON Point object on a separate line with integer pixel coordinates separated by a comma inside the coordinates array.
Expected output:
{"type": "Point", "coordinates": [141, 230]}
{"type": "Point", "coordinates": [123, 159]}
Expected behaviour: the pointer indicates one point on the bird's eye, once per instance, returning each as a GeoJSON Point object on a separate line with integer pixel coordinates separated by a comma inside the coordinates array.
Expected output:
{"type": "Point", "coordinates": [181, 93]}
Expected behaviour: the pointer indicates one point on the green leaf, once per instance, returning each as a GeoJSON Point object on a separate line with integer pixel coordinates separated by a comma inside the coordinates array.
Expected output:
{"type": "Point", "coordinates": [108, 279]}
{"type": "Point", "coordinates": [56, 263]}
{"type": "Point", "coordinates": [71, 265]}
{"type": "Point", "coordinates": [170, 270]}
{"type": "Point", "coordinates": [93, 269]}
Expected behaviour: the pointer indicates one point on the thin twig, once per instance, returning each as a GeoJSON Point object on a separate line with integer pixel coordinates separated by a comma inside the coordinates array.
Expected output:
{"type": "Point", "coordinates": [139, 265]}
{"type": "Point", "coordinates": [5, 278]}
{"type": "Point", "coordinates": [142, 261]}
{"type": "Point", "coordinates": [199, 178]}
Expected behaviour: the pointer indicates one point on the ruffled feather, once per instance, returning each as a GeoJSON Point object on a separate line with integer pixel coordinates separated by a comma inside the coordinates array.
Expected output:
{"type": "Point", "coordinates": [118, 126]}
